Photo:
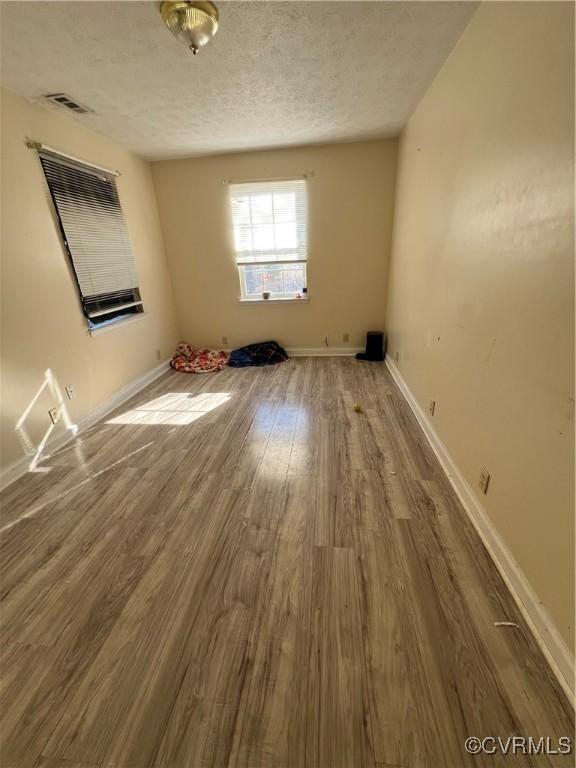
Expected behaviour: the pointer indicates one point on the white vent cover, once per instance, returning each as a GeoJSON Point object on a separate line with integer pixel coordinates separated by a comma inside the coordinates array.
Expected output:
{"type": "Point", "coordinates": [62, 100]}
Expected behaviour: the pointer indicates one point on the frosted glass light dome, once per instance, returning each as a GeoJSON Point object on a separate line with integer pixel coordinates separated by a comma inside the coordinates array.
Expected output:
{"type": "Point", "coordinates": [193, 22]}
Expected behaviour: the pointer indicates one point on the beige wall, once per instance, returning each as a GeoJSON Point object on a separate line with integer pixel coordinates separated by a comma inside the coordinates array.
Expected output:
{"type": "Point", "coordinates": [350, 200]}
{"type": "Point", "coordinates": [42, 323]}
{"type": "Point", "coordinates": [481, 297]}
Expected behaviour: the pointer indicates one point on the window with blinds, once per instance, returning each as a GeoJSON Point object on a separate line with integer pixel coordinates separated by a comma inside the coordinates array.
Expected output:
{"type": "Point", "coordinates": [270, 237]}
{"type": "Point", "coordinates": [95, 237]}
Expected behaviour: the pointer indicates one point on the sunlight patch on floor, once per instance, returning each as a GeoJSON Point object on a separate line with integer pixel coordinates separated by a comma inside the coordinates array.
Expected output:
{"type": "Point", "coordinates": [173, 409]}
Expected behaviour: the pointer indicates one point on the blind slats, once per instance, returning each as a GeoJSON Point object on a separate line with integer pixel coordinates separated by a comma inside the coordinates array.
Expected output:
{"type": "Point", "coordinates": [269, 219]}
{"type": "Point", "coordinates": [93, 226]}
{"type": "Point", "coordinates": [117, 308]}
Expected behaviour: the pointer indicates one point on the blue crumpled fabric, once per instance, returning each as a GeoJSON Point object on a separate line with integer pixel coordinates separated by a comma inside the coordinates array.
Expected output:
{"type": "Point", "coordinates": [262, 353]}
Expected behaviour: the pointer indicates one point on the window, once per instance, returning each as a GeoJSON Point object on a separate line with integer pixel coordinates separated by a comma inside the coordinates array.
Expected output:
{"type": "Point", "coordinates": [269, 220]}
{"type": "Point", "coordinates": [95, 237]}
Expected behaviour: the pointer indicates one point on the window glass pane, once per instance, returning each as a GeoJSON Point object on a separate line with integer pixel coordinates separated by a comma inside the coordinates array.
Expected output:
{"type": "Point", "coordinates": [252, 281]}
{"type": "Point", "coordinates": [294, 279]}
{"type": "Point", "coordinates": [281, 280]}
{"type": "Point", "coordinates": [273, 280]}
{"type": "Point", "coordinates": [262, 209]}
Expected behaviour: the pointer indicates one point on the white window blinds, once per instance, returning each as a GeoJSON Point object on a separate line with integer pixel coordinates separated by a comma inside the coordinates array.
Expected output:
{"type": "Point", "coordinates": [95, 235]}
{"type": "Point", "coordinates": [269, 220]}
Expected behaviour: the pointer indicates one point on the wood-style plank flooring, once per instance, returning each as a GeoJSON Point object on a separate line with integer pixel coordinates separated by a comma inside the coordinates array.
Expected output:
{"type": "Point", "coordinates": [238, 569]}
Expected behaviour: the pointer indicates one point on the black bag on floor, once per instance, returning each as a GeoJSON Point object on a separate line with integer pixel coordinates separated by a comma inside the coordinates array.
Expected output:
{"type": "Point", "coordinates": [262, 353]}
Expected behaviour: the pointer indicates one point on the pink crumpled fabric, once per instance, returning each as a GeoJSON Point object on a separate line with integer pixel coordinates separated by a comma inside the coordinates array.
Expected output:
{"type": "Point", "coordinates": [192, 360]}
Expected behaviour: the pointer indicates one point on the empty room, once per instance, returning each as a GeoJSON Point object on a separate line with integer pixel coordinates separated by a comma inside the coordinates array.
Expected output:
{"type": "Point", "coordinates": [287, 384]}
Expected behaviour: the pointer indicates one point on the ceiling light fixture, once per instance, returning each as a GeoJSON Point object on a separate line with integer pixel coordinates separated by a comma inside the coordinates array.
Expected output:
{"type": "Point", "coordinates": [193, 22]}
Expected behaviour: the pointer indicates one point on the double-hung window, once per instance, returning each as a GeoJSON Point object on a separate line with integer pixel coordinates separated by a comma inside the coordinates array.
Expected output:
{"type": "Point", "coordinates": [270, 237]}
{"type": "Point", "coordinates": [95, 237]}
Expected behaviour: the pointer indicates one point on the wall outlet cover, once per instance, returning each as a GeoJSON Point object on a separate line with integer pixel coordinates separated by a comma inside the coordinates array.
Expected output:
{"type": "Point", "coordinates": [70, 391]}
{"type": "Point", "coordinates": [432, 407]}
{"type": "Point", "coordinates": [54, 415]}
{"type": "Point", "coordinates": [484, 480]}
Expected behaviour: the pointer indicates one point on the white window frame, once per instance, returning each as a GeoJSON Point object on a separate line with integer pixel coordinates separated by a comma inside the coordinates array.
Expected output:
{"type": "Point", "coordinates": [246, 227]}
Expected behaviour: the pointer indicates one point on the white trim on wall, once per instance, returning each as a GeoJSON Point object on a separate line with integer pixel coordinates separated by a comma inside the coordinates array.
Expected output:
{"type": "Point", "coordinates": [18, 468]}
{"type": "Point", "coordinates": [541, 625]}
{"type": "Point", "coordinates": [324, 351]}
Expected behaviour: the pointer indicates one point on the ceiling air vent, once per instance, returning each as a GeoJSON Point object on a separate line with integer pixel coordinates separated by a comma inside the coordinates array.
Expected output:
{"type": "Point", "coordinates": [62, 100]}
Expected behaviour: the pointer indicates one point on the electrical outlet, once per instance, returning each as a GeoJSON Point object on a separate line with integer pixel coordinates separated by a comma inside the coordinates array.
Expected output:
{"type": "Point", "coordinates": [484, 481]}
{"type": "Point", "coordinates": [432, 407]}
{"type": "Point", "coordinates": [326, 342]}
{"type": "Point", "coordinates": [224, 339]}
{"type": "Point", "coordinates": [345, 337]}
{"type": "Point", "coordinates": [397, 356]}
{"type": "Point", "coordinates": [70, 391]}
{"type": "Point", "coordinates": [54, 415]}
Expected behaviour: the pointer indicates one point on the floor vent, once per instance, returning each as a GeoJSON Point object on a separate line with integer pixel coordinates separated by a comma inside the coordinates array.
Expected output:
{"type": "Point", "coordinates": [62, 100]}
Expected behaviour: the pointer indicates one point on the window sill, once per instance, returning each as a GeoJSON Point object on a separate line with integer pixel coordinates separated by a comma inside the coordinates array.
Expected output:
{"type": "Point", "coordinates": [273, 301]}
{"type": "Point", "coordinates": [119, 324]}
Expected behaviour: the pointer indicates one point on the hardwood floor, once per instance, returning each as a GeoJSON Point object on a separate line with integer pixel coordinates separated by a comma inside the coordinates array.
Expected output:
{"type": "Point", "coordinates": [238, 569]}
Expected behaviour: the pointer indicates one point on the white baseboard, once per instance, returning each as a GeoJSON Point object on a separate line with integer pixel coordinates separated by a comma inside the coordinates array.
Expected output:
{"type": "Point", "coordinates": [18, 468]}
{"type": "Point", "coordinates": [324, 351]}
{"type": "Point", "coordinates": [546, 634]}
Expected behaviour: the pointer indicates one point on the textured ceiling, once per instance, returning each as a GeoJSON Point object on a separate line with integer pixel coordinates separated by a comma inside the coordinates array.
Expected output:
{"type": "Point", "coordinates": [276, 74]}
